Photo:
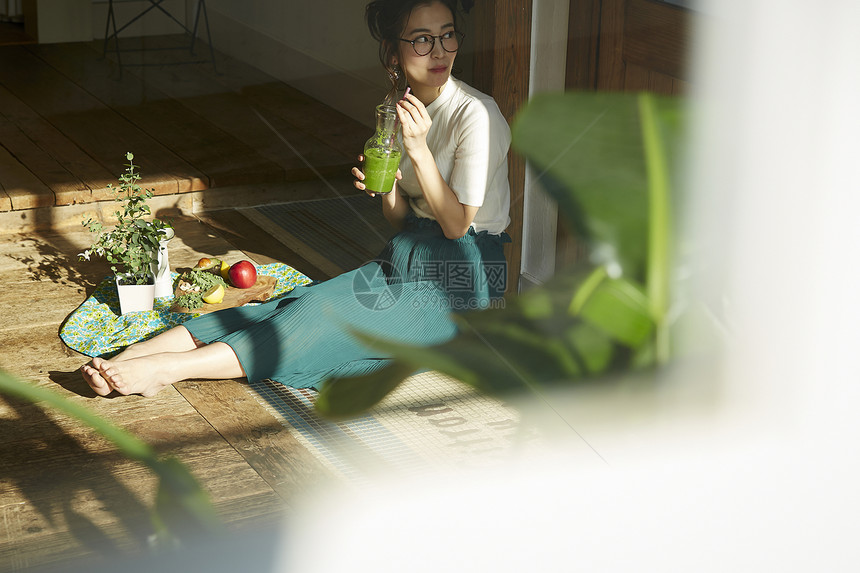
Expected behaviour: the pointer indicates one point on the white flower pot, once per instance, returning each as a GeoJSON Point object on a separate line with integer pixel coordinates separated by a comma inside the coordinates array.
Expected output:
{"type": "Point", "coordinates": [161, 270]}
{"type": "Point", "coordinates": [133, 298]}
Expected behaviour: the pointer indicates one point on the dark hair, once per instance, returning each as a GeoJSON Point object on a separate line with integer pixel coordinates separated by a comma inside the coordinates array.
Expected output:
{"type": "Point", "coordinates": [386, 19]}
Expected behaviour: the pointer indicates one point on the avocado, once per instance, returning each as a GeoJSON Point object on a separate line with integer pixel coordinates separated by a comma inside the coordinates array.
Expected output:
{"type": "Point", "coordinates": [213, 266]}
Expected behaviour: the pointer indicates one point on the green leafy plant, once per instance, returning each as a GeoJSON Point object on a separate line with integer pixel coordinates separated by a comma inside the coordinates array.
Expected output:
{"type": "Point", "coordinates": [608, 159]}
{"type": "Point", "coordinates": [182, 508]}
{"type": "Point", "coordinates": [131, 246]}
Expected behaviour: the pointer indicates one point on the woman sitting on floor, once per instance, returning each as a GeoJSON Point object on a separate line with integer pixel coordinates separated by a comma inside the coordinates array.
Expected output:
{"type": "Point", "coordinates": [449, 206]}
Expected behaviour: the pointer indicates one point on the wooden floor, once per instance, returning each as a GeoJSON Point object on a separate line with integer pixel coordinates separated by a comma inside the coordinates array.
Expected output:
{"type": "Point", "coordinates": [67, 498]}
{"type": "Point", "coordinates": [227, 136]}
{"type": "Point", "coordinates": [13, 34]}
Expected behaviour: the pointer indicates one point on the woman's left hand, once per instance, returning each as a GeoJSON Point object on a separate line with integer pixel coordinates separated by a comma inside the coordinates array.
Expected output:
{"type": "Point", "coordinates": [415, 122]}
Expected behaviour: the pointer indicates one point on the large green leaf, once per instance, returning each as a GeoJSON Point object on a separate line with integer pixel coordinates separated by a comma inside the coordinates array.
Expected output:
{"type": "Point", "coordinates": [617, 306]}
{"type": "Point", "coordinates": [589, 153]}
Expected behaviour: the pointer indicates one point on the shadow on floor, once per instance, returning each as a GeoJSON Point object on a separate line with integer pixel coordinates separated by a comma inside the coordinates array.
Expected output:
{"type": "Point", "coordinates": [69, 486]}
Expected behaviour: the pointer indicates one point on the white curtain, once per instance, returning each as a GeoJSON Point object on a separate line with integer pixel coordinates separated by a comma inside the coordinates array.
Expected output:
{"type": "Point", "coordinates": [10, 11]}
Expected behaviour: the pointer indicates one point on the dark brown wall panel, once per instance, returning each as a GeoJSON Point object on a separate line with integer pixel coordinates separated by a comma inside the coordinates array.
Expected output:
{"type": "Point", "coordinates": [511, 90]}
{"type": "Point", "coordinates": [656, 37]}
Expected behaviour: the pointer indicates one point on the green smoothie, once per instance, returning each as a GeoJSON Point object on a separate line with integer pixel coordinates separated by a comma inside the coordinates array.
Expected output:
{"type": "Point", "coordinates": [379, 170]}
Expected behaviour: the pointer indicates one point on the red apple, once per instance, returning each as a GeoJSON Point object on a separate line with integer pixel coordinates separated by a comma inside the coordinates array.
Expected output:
{"type": "Point", "coordinates": [243, 274]}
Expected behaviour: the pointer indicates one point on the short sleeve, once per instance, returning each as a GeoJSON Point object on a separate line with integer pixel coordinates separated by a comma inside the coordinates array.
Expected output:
{"type": "Point", "coordinates": [483, 140]}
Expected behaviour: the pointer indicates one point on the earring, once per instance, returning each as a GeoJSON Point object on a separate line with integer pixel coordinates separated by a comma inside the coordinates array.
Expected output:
{"type": "Point", "coordinates": [396, 76]}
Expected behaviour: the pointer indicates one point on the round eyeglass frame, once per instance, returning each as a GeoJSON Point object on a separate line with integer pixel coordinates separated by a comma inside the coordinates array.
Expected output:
{"type": "Point", "coordinates": [457, 34]}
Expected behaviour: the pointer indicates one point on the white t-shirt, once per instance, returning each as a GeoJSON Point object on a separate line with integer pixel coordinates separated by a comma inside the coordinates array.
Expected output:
{"type": "Point", "coordinates": [469, 139]}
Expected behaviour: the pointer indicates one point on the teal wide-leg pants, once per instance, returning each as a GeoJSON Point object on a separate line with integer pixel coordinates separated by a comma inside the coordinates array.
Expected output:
{"type": "Point", "coordinates": [407, 294]}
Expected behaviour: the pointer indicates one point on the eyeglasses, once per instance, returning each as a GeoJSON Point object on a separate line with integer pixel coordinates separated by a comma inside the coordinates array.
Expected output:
{"type": "Point", "coordinates": [424, 43]}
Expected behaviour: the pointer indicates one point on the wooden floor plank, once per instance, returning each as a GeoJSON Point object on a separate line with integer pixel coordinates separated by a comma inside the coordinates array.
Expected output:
{"type": "Point", "coordinates": [47, 549]}
{"type": "Point", "coordinates": [24, 189]}
{"type": "Point", "coordinates": [146, 103]}
{"type": "Point", "coordinates": [40, 354]}
{"type": "Point", "coordinates": [262, 440]}
{"type": "Point", "coordinates": [297, 109]}
{"type": "Point", "coordinates": [59, 180]}
{"type": "Point", "coordinates": [12, 33]}
{"type": "Point", "coordinates": [99, 505]}
{"type": "Point", "coordinates": [95, 128]}
{"type": "Point", "coordinates": [62, 475]}
{"type": "Point", "coordinates": [5, 200]}
{"type": "Point", "coordinates": [35, 303]}
{"type": "Point", "coordinates": [293, 106]}
{"type": "Point", "coordinates": [56, 145]}
{"type": "Point", "coordinates": [70, 118]}
{"type": "Point", "coordinates": [199, 91]}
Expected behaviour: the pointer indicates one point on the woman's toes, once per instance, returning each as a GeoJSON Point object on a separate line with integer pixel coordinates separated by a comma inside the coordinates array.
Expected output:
{"type": "Point", "coordinates": [95, 381]}
{"type": "Point", "coordinates": [132, 376]}
{"type": "Point", "coordinates": [90, 375]}
{"type": "Point", "coordinates": [114, 376]}
{"type": "Point", "coordinates": [107, 371]}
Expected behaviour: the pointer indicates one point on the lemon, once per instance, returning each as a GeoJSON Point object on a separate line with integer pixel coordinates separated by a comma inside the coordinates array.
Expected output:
{"type": "Point", "coordinates": [214, 295]}
{"type": "Point", "coordinates": [225, 270]}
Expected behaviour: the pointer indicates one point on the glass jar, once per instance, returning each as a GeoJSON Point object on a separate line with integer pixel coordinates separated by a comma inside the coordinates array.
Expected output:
{"type": "Point", "coordinates": [382, 151]}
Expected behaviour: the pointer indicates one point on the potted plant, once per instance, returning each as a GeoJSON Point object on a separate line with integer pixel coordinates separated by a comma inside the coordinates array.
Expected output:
{"type": "Point", "coordinates": [132, 245]}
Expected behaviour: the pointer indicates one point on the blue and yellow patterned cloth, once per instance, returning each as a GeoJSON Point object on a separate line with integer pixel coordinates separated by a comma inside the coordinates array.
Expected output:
{"type": "Point", "coordinates": [96, 328]}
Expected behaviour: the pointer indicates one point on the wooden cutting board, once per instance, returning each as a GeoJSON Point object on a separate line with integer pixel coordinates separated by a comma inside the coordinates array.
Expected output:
{"type": "Point", "coordinates": [260, 292]}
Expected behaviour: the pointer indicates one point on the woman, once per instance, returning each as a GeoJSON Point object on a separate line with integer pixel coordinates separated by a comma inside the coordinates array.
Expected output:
{"type": "Point", "coordinates": [449, 205]}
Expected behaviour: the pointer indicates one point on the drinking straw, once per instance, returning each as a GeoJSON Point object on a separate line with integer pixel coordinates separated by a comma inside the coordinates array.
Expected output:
{"type": "Point", "coordinates": [397, 119]}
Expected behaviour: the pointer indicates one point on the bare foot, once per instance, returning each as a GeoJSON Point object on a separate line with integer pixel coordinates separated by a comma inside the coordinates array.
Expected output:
{"type": "Point", "coordinates": [94, 377]}
{"type": "Point", "coordinates": [146, 375]}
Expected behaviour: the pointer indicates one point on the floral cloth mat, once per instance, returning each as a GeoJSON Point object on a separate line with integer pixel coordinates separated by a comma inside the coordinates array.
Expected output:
{"type": "Point", "coordinates": [96, 328]}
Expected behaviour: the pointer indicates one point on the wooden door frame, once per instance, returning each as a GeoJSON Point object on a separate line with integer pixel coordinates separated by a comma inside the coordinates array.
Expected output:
{"type": "Point", "coordinates": [503, 48]}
